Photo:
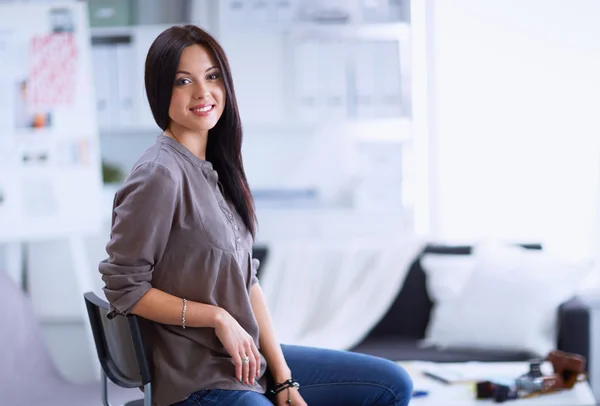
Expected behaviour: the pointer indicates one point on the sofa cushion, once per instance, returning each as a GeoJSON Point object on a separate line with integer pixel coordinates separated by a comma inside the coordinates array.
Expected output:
{"type": "Point", "coordinates": [507, 286]}
{"type": "Point", "coordinates": [409, 350]}
{"type": "Point", "coordinates": [397, 322]}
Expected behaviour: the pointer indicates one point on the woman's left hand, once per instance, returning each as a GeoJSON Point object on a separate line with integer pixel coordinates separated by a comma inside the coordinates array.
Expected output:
{"type": "Point", "coordinates": [294, 396]}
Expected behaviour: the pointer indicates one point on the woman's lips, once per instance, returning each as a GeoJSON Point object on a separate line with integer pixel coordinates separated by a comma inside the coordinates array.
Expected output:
{"type": "Point", "coordinates": [202, 110]}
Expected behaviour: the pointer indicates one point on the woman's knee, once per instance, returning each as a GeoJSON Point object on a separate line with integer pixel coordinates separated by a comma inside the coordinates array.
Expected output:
{"type": "Point", "coordinates": [381, 381]}
{"type": "Point", "coordinates": [398, 381]}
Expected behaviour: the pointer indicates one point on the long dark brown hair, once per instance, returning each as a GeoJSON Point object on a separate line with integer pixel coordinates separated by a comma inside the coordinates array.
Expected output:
{"type": "Point", "coordinates": [224, 147]}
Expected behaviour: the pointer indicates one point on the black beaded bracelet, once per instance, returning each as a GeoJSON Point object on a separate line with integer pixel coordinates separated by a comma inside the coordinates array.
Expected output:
{"type": "Point", "coordinates": [290, 383]}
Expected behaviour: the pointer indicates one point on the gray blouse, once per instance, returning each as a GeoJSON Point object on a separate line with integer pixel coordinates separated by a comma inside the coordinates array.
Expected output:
{"type": "Point", "coordinates": [173, 230]}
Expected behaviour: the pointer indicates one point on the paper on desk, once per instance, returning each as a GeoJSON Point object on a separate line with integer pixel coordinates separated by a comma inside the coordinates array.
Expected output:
{"type": "Point", "coordinates": [464, 372]}
{"type": "Point", "coordinates": [420, 381]}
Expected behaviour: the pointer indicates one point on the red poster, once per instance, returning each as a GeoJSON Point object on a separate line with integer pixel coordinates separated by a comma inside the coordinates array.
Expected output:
{"type": "Point", "coordinates": [52, 70]}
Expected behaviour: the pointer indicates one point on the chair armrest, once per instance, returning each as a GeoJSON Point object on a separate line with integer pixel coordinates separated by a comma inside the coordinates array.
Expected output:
{"type": "Point", "coordinates": [574, 328]}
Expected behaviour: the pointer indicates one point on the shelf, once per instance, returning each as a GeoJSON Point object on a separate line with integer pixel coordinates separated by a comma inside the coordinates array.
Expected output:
{"type": "Point", "coordinates": [126, 30]}
{"type": "Point", "coordinates": [103, 32]}
{"type": "Point", "coordinates": [385, 130]}
{"type": "Point", "coordinates": [399, 31]}
{"type": "Point", "coordinates": [287, 122]}
{"type": "Point", "coordinates": [284, 124]}
{"type": "Point", "coordinates": [128, 130]}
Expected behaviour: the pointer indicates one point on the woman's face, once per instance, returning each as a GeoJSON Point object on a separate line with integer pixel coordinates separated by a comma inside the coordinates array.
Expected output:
{"type": "Point", "coordinates": [198, 97]}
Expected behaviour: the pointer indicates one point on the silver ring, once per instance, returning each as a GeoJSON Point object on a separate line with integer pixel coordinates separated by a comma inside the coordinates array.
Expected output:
{"type": "Point", "coordinates": [245, 360]}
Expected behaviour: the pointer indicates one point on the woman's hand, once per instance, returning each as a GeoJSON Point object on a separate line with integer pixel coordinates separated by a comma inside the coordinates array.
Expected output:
{"type": "Point", "coordinates": [294, 396]}
{"type": "Point", "coordinates": [239, 344]}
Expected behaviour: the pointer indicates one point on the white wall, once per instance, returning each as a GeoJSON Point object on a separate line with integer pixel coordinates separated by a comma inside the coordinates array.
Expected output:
{"type": "Point", "coordinates": [516, 94]}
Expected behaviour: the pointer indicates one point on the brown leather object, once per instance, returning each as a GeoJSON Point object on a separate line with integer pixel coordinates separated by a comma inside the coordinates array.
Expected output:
{"type": "Point", "coordinates": [568, 366]}
{"type": "Point", "coordinates": [550, 383]}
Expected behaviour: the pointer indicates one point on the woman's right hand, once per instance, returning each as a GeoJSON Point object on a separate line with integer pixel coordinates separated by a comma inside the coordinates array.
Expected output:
{"type": "Point", "coordinates": [239, 344]}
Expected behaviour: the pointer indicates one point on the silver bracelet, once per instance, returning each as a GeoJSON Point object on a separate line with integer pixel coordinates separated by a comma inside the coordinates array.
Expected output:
{"type": "Point", "coordinates": [183, 313]}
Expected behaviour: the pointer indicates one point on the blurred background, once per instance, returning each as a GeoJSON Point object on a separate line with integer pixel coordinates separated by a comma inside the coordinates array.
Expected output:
{"type": "Point", "coordinates": [378, 126]}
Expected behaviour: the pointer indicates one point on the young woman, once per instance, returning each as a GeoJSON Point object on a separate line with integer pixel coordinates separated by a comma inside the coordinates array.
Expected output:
{"type": "Point", "coordinates": [180, 256]}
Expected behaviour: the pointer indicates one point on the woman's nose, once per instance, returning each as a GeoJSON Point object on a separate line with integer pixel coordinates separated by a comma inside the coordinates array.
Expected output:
{"type": "Point", "coordinates": [201, 92]}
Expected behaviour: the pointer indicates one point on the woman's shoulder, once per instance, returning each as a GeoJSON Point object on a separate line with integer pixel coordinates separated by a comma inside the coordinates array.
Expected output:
{"type": "Point", "coordinates": [158, 161]}
{"type": "Point", "coordinates": [149, 184]}
{"type": "Point", "coordinates": [154, 169]}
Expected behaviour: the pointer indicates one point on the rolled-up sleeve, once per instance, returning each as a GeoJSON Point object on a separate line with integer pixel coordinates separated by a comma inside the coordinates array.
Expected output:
{"type": "Point", "coordinates": [143, 213]}
{"type": "Point", "coordinates": [254, 264]}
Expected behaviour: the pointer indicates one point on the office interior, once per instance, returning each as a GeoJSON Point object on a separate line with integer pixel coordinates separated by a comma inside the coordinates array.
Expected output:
{"type": "Point", "coordinates": [372, 130]}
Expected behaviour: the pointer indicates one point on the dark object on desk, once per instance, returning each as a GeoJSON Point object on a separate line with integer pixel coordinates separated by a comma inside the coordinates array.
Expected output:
{"type": "Point", "coordinates": [568, 366]}
{"type": "Point", "coordinates": [535, 368]}
{"type": "Point", "coordinates": [397, 335]}
{"type": "Point", "coordinates": [535, 383]}
{"type": "Point", "coordinates": [420, 393]}
{"type": "Point", "coordinates": [531, 381]}
{"type": "Point", "coordinates": [498, 392]}
{"type": "Point", "coordinates": [484, 390]}
{"type": "Point", "coordinates": [567, 370]}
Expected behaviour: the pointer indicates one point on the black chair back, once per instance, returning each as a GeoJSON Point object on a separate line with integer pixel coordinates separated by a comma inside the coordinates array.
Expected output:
{"type": "Point", "coordinates": [120, 347]}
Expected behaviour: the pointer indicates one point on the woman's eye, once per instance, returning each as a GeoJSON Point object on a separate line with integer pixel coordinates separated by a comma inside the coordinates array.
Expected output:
{"type": "Point", "coordinates": [182, 81]}
{"type": "Point", "coordinates": [214, 76]}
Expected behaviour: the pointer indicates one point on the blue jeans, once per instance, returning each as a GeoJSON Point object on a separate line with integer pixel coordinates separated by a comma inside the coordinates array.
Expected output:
{"type": "Point", "coordinates": [327, 378]}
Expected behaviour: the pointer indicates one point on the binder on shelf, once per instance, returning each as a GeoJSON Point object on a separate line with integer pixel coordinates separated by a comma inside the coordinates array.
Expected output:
{"type": "Point", "coordinates": [283, 12]}
{"type": "Point", "coordinates": [124, 99]}
{"type": "Point", "coordinates": [233, 12]}
{"type": "Point", "coordinates": [374, 11]}
{"type": "Point", "coordinates": [334, 77]}
{"type": "Point", "coordinates": [306, 78]}
{"type": "Point", "coordinates": [109, 13]}
{"type": "Point", "coordinates": [364, 79]}
{"type": "Point", "coordinates": [259, 12]}
{"type": "Point", "coordinates": [388, 79]}
{"type": "Point", "coordinates": [104, 71]}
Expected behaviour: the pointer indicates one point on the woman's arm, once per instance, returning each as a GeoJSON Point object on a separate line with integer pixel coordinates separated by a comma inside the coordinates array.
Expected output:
{"type": "Point", "coordinates": [269, 346]}
{"type": "Point", "coordinates": [165, 308]}
{"type": "Point", "coordinates": [143, 214]}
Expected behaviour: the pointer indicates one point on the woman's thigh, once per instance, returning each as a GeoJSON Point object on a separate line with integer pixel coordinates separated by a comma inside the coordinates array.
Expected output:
{"type": "Point", "coordinates": [226, 398]}
{"type": "Point", "coordinates": [330, 378]}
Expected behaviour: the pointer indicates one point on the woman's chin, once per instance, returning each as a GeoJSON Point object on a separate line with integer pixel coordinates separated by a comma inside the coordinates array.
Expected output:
{"type": "Point", "coordinates": [202, 128]}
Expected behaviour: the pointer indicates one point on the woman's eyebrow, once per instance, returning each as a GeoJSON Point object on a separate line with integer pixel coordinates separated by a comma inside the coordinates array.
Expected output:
{"type": "Point", "coordinates": [188, 73]}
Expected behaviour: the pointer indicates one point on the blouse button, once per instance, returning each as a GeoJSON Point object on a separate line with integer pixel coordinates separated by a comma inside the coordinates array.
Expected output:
{"type": "Point", "coordinates": [238, 239]}
{"type": "Point", "coordinates": [235, 227]}
{"type": "Point", "coordinates": [230, 216]}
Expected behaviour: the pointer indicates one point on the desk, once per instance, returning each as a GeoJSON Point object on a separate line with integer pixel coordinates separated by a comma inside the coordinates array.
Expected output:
{"type": "Point", "coordinates": [464, 394]}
